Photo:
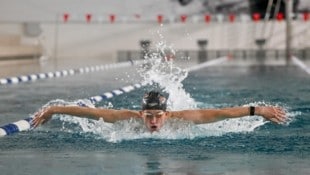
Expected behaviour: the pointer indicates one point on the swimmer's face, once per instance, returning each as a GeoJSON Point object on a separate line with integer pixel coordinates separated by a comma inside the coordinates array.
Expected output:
{"type": "Point", "coordinates": [153, 119]}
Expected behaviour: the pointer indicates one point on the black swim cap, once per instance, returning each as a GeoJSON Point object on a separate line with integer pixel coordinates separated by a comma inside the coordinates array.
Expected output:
{"type": "Point", "coordinates": [154, 100]}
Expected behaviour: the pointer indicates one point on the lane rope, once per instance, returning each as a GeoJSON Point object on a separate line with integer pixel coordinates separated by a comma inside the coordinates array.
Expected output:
{"type": "Point", "coordinates": [64, 73]}
{"type": "Point", "coordinates": [25, 124]}
{"type": "Point", "coordinates": [209, 63]}
{"type": "Point", "coordinates": [300, 64]}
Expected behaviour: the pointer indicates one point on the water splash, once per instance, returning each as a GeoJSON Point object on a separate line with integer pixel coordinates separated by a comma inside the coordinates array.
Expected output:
{"type": "Point", "coordinates": [160, 70]}
{"type": "Point", "coordinates": [60, 102]}
{"type": "Point", "coordinates": [125, 130]}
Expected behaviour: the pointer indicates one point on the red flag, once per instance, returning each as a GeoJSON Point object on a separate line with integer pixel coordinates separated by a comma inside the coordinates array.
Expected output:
{"type": "Point", "coordinates": [280, 16]}
{"type": "Point", "coordinates": [232, 17]}
{"type": "Point", "coordinates": [160, 19]}
{"type": "Point", "coordinates": [183, 18]}
{"type": "Point", "coordinates": [207, 18]}
{"type": "Point", "coordinates": [66, 17]}
{"type": "Point", "coordinates": [306, 16]}
{"type": "Point", "coordinates": [88, 17]}
{"type": "Point", "coordinates": [256, 17]}
{"type": "Point", "coordinates": [112, 18]}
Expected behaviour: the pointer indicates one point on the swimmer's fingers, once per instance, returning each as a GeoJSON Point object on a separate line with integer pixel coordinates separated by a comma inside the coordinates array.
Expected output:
{"type": "Point", "coordinates": [275, 120]}
{"type": "Point", "coordinates": [40, 117]}
{"type": "Point", "coordinates": [36, 121]}
{"type": "Point", "coordinates": [276, 115]}
{"type": "Point", "coordinates": [280, 114]}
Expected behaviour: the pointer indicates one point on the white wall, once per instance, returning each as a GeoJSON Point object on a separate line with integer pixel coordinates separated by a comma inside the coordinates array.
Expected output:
{"type": "Point", "coordinates": [81, 40]}
{"type": "Point", "coordinates": [47, 10]}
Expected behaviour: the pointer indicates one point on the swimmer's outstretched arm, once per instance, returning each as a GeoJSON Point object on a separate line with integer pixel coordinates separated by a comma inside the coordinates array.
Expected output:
{"type": "Point", "coordinates": [108, 115]}
{"type": "Point", "coordinates": [274, 114]}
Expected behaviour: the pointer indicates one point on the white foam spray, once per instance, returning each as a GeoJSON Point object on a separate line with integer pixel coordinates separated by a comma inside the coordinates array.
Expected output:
{"type": "Point", "coordinates": [159, 69]}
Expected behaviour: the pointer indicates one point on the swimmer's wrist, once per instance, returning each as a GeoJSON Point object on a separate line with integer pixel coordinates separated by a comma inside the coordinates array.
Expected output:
{"type": "Point", "coordinates": [259, 110]}
{"type": "Point", "coordinates": [256, 110]}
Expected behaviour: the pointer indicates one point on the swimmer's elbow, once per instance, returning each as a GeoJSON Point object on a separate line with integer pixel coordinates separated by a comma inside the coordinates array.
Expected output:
{"type": "Point", "coordinates": [210, 116]}
{"type": "Point", "coordinates": [209, 119]}
{"type": "Point", "coordinates": [200, 116]}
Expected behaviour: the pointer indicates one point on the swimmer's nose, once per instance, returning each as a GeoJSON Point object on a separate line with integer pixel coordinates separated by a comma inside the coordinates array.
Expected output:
{"type": "Point", "coordinates": [153, 120]}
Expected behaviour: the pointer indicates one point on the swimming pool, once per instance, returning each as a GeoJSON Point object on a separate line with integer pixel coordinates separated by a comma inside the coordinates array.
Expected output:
{"type": "Point", "coordinates": [69, 145]}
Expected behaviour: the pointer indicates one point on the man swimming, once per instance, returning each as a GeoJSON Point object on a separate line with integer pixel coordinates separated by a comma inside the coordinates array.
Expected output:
{"type": "Point", "coordinates": [154, 113]}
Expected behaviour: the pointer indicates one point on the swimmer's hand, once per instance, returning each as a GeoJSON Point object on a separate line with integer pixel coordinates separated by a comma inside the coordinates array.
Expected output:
{"type": "Point", "coordinates": [272, 113]}
{"type": "Point", "coordinates": [42, 116]}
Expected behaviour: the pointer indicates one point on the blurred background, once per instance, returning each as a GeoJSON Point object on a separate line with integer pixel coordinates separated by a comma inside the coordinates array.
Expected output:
{"type": "Point", "coordinates": [45, 35]}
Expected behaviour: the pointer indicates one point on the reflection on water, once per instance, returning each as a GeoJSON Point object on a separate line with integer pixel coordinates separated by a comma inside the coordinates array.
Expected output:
{"type": "Point", "coordinates": [153, 166]}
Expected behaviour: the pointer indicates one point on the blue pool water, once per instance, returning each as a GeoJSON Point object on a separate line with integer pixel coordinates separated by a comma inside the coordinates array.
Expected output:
{"type": "Point", "coordinates": [68, 145]}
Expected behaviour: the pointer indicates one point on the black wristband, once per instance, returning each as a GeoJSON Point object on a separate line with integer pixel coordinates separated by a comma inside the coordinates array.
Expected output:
{"type": "Point", "coordinates": [252, 110]}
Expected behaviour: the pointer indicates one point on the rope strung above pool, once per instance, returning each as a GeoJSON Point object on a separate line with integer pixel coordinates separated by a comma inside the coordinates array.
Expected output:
{"type": "Point", "coordinates": [64, 73]}
{"type": "Point", "coordinates": [25, 124]}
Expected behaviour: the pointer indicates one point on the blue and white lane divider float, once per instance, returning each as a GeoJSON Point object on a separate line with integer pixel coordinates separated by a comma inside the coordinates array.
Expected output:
{"type": "Point", "coordinates": [64, 73]}
{"type": "Point", "coordinates": [11, 128]}
{"type": "Point", "coordinates": [301, 64]}
{"type": "Point", "coordinates": [25, 124]}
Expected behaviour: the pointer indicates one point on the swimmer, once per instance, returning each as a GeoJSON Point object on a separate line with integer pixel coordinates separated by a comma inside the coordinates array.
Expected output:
{"type": "Point", "coordinates": [154, 113]}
